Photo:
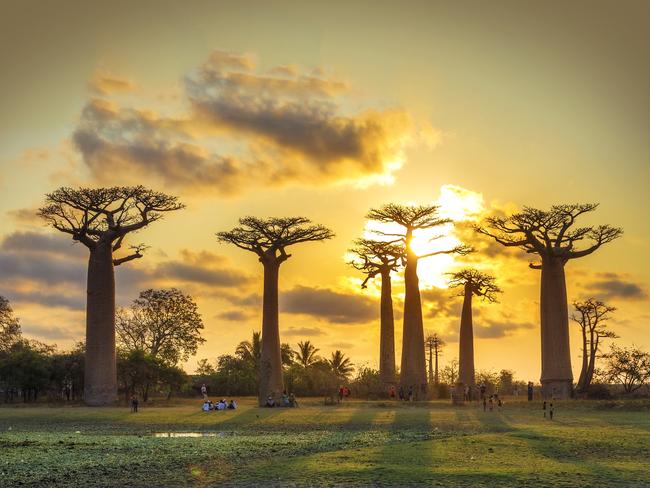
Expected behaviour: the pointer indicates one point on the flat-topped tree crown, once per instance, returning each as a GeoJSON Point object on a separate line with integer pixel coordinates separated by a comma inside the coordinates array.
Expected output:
{"type": "Point", "coordinates": [269, 238]}
{"type": "Point", "coordinates": [376, 257]}
{"type": "Point", "coordinates": [480, 284]}
{"type": "Point", "coordinates": [550, 233]}
{"type": "Point", "coordinates": [96, 216]}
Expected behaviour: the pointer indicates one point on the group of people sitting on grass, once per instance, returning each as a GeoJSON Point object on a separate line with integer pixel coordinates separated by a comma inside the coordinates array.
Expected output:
{"type": "Point", "coordinates": [285, 400]}
{"type": "Point", "coordinates": [220, 405]}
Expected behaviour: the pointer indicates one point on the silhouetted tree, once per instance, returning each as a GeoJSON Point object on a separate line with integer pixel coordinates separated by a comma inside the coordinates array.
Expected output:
{"type": "Point", "coordinates": [450, 372]}
{"type": "Point", "coordinates": [473, 282]}
{"type": "Point", "coordinates": [591, 317]}
{"type": "Point", "coordinates": [164, 323]}
{"type": "Point", "coordinates": [269, 240]}
{"type": "Point", "coordinates": [552, 236]}
{"type": "Point", "coordinates": [412, 219]}
{"type": "Point", "coordinates": [306, 354]}
{"type": "Point", "coordinates": [629, 367]}
{"type": "Point", "coordinates": [341, 366]}
{"type": "Point", "coordinates": [381, 258]}
{"type": "Point", "coordinates": [9, 326]}
{"type": "Point", "coordinates": [100, 219]}
{"type": "Point", "coordinates": [434, 344]}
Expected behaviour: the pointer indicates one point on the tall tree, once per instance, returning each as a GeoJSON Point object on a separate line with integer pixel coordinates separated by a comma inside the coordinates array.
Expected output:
{"type": "Point", "coordinates": [251, 351]}
{"type": "Point", "coordinates": [412, 219]}
{"type": "Point", "coordinates": [306, 354]}
{"type": "Point", "coordinates": [269, 240]}
{"type": "Point", "coordinates": [592, 316]}
{"type": "Point", "coordinates": [434, 344]}
{"type": "Point", "coordinates": [100, 219]}
{"type": "Point", "coordinates": [380, 258]}
{"type": "Point", "coordinates": [552, 236]}
{"type": "Point", "coordinates": [472, 283]}
{"type": "Point", "coordinates": [9, 326]}
{"type": "Point", "coordinates": [164, 323]}
{"type": "Point", "coordinates": [341, 366]}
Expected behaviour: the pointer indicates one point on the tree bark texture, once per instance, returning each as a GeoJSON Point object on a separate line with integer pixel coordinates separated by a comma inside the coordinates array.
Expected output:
{"type": "Point", "coordinates": [557, 377]}
{"type": "Point", "coordinates": [271, 359]}
{"type": "Point", "coordinates": [387, 332]}
{"type": "Point", "coordinates": [466, 341]}
{"type": "Point", "coordinates": [100, 381]}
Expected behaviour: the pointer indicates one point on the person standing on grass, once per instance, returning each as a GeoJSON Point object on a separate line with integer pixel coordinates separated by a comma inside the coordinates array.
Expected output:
{"type": "Point", "coordinates": [544, 408]}
{"type": "Point", "coordinates": [204, 392]}
{"type": "Point", "coordinates": [134, 403]}
{"type": "Point", "coordinates": [411, 393]}
{"type": "Point", "coordinates": [550, 411]}
{"type": "Point", "coordinates": [530, 391]}
{"type": "Point", "coordinates": [401, 393]}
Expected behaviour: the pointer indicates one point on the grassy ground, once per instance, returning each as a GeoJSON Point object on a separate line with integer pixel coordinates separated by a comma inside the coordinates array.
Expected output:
{"type": "Point", "coordinates": [354, 444]}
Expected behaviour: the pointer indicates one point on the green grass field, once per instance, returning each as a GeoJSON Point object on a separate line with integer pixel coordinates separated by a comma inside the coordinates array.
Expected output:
{"type": "Point", "coordinates": [594, 444]}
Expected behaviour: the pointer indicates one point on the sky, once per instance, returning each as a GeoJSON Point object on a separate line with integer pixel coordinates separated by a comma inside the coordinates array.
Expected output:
{"type": "Point", "coordinates": [326, 110]}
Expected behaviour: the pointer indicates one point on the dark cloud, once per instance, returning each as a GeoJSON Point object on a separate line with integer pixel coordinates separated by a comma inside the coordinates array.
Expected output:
{"type": "Point", "coordinates": [53, 332]}
{"type": "Point", "coordinates": [303, 331]}
{"type": "Point", "coordinates": [440, 302]}
{"type": "Point", "coordinates": [328, 305]}
{"type": "Point", "coordinates": [40, 243]}
{"type": "Point", "coordinates": [283, 126]}
{"type": "Point", "coordinates": [494, 329]}
{"type": "Point", "coordinates": [235, 315]}
{"type": "Point", "coordinates": [53, 300]}
{"type": "Point", "coordinates": [608, 286]}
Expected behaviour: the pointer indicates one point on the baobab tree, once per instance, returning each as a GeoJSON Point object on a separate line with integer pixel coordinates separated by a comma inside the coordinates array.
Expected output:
{"type": "Point", "coordinates": [411, 219]}
{"type": "Point", "coordinates": [434, 344]}
{"type": "Point", "coordinates": [552, 236]}
{"type": "Point", "coordinates": [380, 258]}
{"type": "Point", "coordinates": [473, 283]}
{"type": "Point", "coordinates": [269, 240]}
{"type": "Point", "coordinates": [591, 317]}
{"type": "Point", "coordinates": [100, 219]}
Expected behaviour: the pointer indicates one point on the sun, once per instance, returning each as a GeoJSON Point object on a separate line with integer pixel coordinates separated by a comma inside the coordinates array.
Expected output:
{"type": "Point", "coordinates": [456, 203]}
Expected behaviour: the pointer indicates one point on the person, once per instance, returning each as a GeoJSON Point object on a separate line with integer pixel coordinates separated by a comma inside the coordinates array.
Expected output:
{"type": "Point", "coordinates": [550, 411]}
{"type": "Point", "coordinates": [341, 393]}
{"type": "Point", "coordinates": [206, 406]}
{"type": "Point", "coordinates": [530, 391]}
{"type": "Point", "coordinates": [232, 405]}
{"type": "Point", "coordinates": [484, 404]}
{"type": "Point", "coordinates": [491, 402]}
{"type": "Point", "coordinates": [411, 393]}
{"type": "Point", "coordinates": [134, 403]}
{"type": "Point", "coordinates": [466, 393]}
{"type": "Point", "coordinates": [222, 404]}
{"type": "Point", "coordinates": [204, 392]}
{"type": "Point", "coordinates": [285, 399]}
{"type": "Point", "coordinates": [516, 391]}
{"type": "Point", "coordinates": [270, 402]}
{"type": "Point", "coordinates": [391, 392]}
{"type": "Point", "coordinates": [292, 400]}
{"type": "Point", "coordinates": [347, 392]}
{"type": "Point", "coordinates": [499, 402]}
{"type": "Point", "coordinates": [544, 408]}
{"type": "Point", "coordinates": [482, 389]}
{"type": "Point", "coordinates": [401, 393]}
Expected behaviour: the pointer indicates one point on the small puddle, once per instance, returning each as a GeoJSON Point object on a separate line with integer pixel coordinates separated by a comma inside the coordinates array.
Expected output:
{"type": "Point", "coordinates": [189, 434]}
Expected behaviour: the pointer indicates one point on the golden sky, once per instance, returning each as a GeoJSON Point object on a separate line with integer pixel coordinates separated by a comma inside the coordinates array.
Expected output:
{"type": "Point", "coordinates": [326, 111]}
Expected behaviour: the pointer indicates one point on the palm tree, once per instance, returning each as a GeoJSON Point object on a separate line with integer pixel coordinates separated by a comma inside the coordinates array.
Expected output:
{"type": "Point", "coordinates": [306, 354]}
{"type": "Point", "coordinates": [287, 354]}
{"type": "Point", "coordinates": [341, 366]}
{"type": "Point", "coordinates": [251, 351]}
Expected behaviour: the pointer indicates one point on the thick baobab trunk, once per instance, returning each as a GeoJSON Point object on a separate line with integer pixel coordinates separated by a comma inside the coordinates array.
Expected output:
{"type": "Point", "coordinates": [271, 358]}
{"type": "Point", "coordinates": [466, 341]}
{"type": "Point", "coordinates": [387, 332]}
{"type": "Point", "coordinates": [413, 368]}
{"type": "Point", "coordinates": [557, 378]}
{"type": "Point", "coordinates": [100, 377]}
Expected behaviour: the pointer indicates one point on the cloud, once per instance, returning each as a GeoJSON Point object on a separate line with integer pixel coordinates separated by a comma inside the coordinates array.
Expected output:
{"type": "Point", "coordinates": [287, 125]}
{"type": "Point", "coordinates": [235, 315]}
{"type": "Point", "coordinates": [303, 331]}
{"type": "Point", "coordinates": [497, 328]}
{"type": "Point", "coordinates": [105, 83]}
{"type": "Point", "coordinates": [26, 216]}
{"type": "Point", "coordinates": [53, 300]}
{"type": "Point", "coordinates": [440, 302]}
{"type": "Point", "coordinates": [608, 286]}
{"type": "Point", "coordinates": [328, 304]}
